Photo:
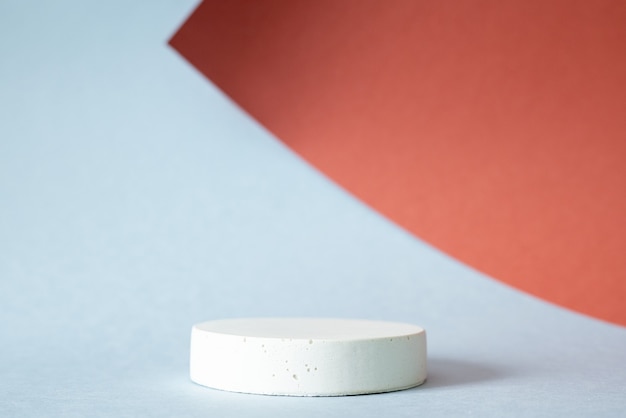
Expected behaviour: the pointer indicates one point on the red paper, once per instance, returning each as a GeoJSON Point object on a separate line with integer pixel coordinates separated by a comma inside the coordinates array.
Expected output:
{"type": "Point", "coordinates": [494, 130]}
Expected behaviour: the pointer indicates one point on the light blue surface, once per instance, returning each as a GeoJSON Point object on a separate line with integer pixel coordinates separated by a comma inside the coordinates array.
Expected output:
{"type": "Point", "coordinates": [136, 200]}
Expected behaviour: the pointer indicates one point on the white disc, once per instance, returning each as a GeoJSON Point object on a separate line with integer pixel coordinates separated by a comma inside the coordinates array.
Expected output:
{"type": "Point", "coordinates": [307, 357]}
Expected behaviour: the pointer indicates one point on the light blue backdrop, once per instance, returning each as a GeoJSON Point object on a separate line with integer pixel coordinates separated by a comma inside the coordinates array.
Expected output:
{"type": "Point", "coordinates": [136, 200]}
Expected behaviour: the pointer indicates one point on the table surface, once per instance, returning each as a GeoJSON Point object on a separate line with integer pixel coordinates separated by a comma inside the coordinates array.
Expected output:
{"type": "Point", "coordinates": [137, 200]}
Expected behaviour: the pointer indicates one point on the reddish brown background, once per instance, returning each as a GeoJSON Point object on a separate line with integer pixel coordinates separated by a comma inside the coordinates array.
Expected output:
{"type": "Point", "coordinates": [494, 130]}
